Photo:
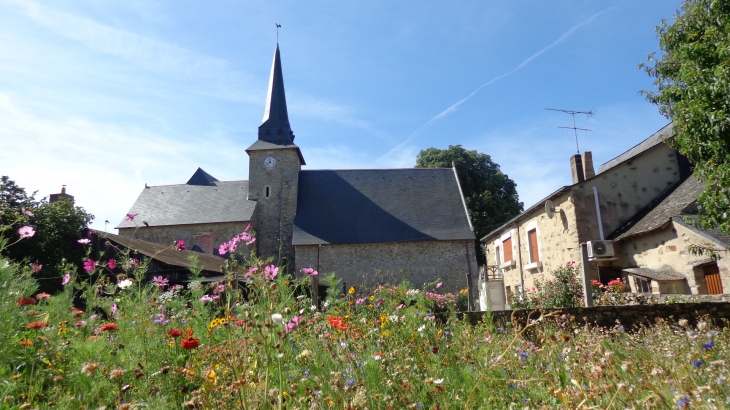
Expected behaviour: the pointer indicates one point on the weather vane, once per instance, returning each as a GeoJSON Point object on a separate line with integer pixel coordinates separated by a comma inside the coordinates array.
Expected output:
{"type": "Point", "coordinates": [278, 26]}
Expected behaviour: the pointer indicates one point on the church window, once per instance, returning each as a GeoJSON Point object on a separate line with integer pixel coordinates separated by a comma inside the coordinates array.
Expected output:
{"type": "Point", "coordinates": [268, 192]}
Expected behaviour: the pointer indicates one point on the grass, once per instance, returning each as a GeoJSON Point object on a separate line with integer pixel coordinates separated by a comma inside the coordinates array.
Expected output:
{"type": "Point", "coordinates": [375, 348]}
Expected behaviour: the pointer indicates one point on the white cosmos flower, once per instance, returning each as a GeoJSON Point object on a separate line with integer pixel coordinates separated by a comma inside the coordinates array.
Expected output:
{"type": "Point", "coordinates": [123, 284]}
{"type": "Point", "coordinates": [438, 381]}
{"type": "Point", "coordinates": [277, 318]}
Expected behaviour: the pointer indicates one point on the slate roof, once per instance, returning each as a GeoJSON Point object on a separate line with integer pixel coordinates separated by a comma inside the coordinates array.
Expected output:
{"type": "Point", "coordinates": [222, 201]}
{"type": "Point", "coordinates": [673, 205]}
{"type": "Point", "coordinates": [166, 254]}
{"type": "Point", "coordinates": [379, 206]}
{"type": "Point", "coordinates": [659, 276]}
{"type": "Point", "coordinates": [654, 140]}
{"type": "Point", "coordinates": [201, 177]}
{"type": "Point", "coordinates": [712, 234]}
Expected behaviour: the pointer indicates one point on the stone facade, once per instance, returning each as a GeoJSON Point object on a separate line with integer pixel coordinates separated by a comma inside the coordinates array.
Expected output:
{"type": "Point", "coordinates": [623, 191]}
{"type": "Point", "coordinates": [275, 190]}
{"type": "Point", "coordinates": [221, 232]}
{"type": "Point", "coordinates": [667, 250]}
{"type": "Point", "coordinates": [370, 265]}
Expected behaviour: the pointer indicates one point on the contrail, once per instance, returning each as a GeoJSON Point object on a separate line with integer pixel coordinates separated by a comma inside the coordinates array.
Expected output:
{"type": "Point", "coordinates": [522, 65]}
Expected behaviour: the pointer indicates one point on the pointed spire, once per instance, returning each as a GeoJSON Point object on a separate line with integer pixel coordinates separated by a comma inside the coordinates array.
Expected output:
{"type": "Point", "coordinates": [275, 126]}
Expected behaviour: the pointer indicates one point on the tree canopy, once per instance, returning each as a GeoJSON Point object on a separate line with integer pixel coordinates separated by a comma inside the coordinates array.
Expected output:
{"type": "Point", "coordinates": [58, 227]}
{"type": "Point", "coordinates": [491, 196]}
{"type": "Point", "coordinates": [692, 76]}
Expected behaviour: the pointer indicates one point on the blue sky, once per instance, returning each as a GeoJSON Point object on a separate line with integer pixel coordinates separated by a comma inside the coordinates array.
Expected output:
{"type": "Point", "coordinates": [105, 96]}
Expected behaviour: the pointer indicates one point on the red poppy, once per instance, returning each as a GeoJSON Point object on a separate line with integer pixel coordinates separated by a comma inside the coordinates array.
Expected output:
{"type": "Point", "coordinates": [189, 342]}
{"type": "Point", "coordinates": [37, 325]}
{"type": "Point", "coordinates": [26, 301]}
{"type": "Point", "coordinates": [109, 327]}
{"type": "Point", "coordinates": [337, 322]}
{"type": "Point", "coordinates": [175, 333]}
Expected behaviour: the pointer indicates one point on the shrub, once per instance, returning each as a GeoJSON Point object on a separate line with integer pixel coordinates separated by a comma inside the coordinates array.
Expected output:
{"type": "Point", "coordinates": [564, 290]}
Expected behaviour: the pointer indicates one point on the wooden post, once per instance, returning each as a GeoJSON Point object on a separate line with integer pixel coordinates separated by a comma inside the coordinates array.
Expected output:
{"type": "Point", "coordinates": [587, 296]}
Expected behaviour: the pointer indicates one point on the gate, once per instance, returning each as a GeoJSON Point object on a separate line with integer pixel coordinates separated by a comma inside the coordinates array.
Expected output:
{"type": "Point", "coordinates": [491, 289]}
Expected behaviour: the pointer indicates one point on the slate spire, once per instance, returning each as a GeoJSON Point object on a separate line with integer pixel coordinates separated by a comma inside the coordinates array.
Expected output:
{"type": "Point", "coordinates": [275, 126]}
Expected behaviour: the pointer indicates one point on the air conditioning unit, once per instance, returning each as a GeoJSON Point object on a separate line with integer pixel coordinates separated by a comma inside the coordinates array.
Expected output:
{"type": "Point", "coordinates": [600, 249]}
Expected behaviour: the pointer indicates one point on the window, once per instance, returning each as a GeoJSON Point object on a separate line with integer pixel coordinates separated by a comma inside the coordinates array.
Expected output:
{"type": "Point", "coordinates": [642, 285]}
{"type": "Point", "coordinates": [507, 245]}
{"type": "Point", "coordinates": [497, 256]}
{"type": "Point", "coordinates": [268, 193]}
{"type": "Point", "coordinates": [532, 240]}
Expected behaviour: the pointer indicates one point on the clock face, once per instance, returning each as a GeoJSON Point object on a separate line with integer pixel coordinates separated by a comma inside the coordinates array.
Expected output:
{"type": "Point", "coordinates": [270, 162]}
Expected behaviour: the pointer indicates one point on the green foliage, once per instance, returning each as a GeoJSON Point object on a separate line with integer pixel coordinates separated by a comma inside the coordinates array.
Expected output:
{"type": "Point", "coordinates": [491, 196]}
{"type": "Point", "coordinates": [692, 76]}
{"type": "Point", "coordinates": [58, 226]}
{"type": "Point", "coordinates": [565, 290]}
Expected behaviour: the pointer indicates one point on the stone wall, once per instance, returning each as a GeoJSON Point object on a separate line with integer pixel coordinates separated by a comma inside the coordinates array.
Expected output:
{"type": "Point", "coordinates": [666, 250]}
{"type": "Point", "coordinates": [369, 265]}
{"type": "Point", "coordinates": [222, 232]}
{"type": "Point", "coordinates": [630, 317]}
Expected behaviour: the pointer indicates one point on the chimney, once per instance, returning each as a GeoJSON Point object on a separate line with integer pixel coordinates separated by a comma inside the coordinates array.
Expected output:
{"type": "Point", "coordinates": [205, 241]}
{"type": "Point", "coordinates": [63, 195]}
{"type": "Point", "coordinates": [588, 171]}
{"type": "Point", "coordinates": [576, 168]}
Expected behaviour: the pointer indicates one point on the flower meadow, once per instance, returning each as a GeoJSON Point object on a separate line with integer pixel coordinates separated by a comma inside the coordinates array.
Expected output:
{"type": "Point", "coordinates": [109, 341]}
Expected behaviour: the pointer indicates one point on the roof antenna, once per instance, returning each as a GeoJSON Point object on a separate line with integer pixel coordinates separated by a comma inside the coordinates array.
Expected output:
{"type": "Point", "coordinates": [574, 128]}
{"type": "Point", "coordinates": [278, 26]}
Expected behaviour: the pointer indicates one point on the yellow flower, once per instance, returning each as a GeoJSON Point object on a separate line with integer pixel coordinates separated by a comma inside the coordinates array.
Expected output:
{"type": "Point", "coordinates": [441, 331]}
{"type": "Point", "coordinates": [370, 306]}
{"type": "Point", "coordinates": [351, 291]}
{"type": "Point", "coordinates": [372, 297]}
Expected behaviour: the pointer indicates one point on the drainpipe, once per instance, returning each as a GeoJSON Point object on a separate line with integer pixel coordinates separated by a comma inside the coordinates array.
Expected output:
{"type": "Point", "coordinates": [519, 258]}
{"type": "Point", "coordinates": [598, 212]}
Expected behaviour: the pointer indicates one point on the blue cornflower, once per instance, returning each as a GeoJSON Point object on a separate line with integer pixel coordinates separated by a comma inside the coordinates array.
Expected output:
{"type": "Point", "coordinates": [525, 399]}
{"type": "Point", "coordinates": [523, 354]}
{"type": "Point", "coordinates": [697, 363]}
{"type": "Point", "coordinates": [350, 382]}
{"type": "Point", "coordinates": [709, 345]}
{"type": "Point", "coordinates": [419, 405]}
{"type": "Point", "coordinates": [683, 401]}
{"type": "Point", "coordinates": [621, 329]}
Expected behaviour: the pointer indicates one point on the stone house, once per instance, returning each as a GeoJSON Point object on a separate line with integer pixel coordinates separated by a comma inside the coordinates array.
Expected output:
{"type": "Point", "coordinates": [548, 234]}
{"type": "Point", "coordinates": [368, 226]}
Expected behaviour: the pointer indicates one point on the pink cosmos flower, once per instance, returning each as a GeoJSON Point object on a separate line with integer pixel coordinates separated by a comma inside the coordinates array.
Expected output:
{"type": "Point", "coordinates": [270, 272]}
{"type": "Point", "coordinates": [84, 241]}
{"type": "Point", "coordinates": [293, 323]}
{"type": "Point", "coordinates": [27, 212]}
{"type": "Point", "coordinates": [360, 301]}
{"type": "Point", "coordinates": [379, 302]}
{"type": "Point", "coordinates": [160, 282]}
{"type": "Point", "coordinates": [135, 263]}
{"type": "Point", "coordinates": [310, 271]}
{"type": "Point", "coordinates": [111, 264]}
{"type": "Point", "coordinates": [36, 267]}
{"type": "Point", "coordinates": [66, 278]}
{"type": "Point", "coordinates": [251, 271]}
{"type": "Point", "coordinates": [130, 217]}
{"type": "Point", "coordinates": [401, 306]}
{"type": "Point", "coordinates": [180, 244]}
{"type": "Point", "coordinates": [438, 285]}
{"type": "Point", "coordinates": [89, 265]}
{"type": "Point", "coordinates": [80, 323]}
{"type": "Point", "coordinates": [26, 232]}
{"type": "Point", "coordinates": [114, 308]}
{"type": "Point", "coordinates": [209, 298]}
{"type": "Point", "coordinates": [43, 295]}
{"type": "Point", "coordinates": [220, 288]}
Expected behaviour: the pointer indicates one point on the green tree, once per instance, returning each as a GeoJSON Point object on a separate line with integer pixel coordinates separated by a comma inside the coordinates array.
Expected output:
{"type": "Point", "coordinates": [692, 76]}
{"type": "Point", "coordinates": [58, 227]}
{"type": "Point", "coordinates": [491, 196]}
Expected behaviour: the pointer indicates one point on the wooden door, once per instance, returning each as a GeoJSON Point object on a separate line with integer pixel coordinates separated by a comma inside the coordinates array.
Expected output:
{"type": "Point", "coordinates": [712, 279]}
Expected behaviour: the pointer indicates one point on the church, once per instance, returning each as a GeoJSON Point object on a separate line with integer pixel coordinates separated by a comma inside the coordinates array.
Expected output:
{"type": "Point", "coordinates": [368, 226]}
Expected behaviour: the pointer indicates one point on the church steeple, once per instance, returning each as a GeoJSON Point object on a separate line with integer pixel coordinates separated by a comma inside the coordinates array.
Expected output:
{"type": "Point", "coordinates": [275, 126]}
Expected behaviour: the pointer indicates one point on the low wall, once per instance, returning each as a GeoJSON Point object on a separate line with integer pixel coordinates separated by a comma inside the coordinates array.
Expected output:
{"type": "Point", "coordinates": [630, 317]}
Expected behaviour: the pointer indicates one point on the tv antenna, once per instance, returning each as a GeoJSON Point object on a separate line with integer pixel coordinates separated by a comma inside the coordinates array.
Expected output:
{"type": "Point", "coordinates": [574, 128]}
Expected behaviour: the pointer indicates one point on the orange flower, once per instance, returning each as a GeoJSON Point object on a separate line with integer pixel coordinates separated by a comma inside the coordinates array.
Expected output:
{"type": "Point", "coordinates": [175, 333]}
{"type": "Point", "coordinates": [27, 301]}
{"type": "Point", "coordinates": [25, 343]}
{"type": "Point", "coordinates": [37, 325]}
{"type": "Point", "coordinates": [109, 327]}
{"type": "Point", "coordinates": [189, 342]}
{"type": "Point", "coordinates": [77, 312]}
{"type": "Point", "coordinates": [337, 322]}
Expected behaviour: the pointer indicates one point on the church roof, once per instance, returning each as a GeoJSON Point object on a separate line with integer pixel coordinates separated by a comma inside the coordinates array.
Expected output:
{"type": "Point", "coordinates": [201, 177]}
{"type": "Point", "coordinates": [275, 125]}
{"type": "Point", "coordinates": [221, 201]}
{"type": "Point", "coordinates": [379, 206]}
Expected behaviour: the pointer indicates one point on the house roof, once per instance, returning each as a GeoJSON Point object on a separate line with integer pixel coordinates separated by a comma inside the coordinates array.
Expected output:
{"type": "Point", "coordinates": [673, 205]}
{"type": "Point", "coordinates": [201, 177]}
{"type": "Point", "coordinates": [657, 138]}
{"type": "Point", "coordinates": [166, 254]}
{"type": "Point", "coordinates": [221, 201]}
{"type": "Point", "coordinates": [379, 206]}
{"type": "Point", "coordinates": [658, 276]}
{"type": "Point", "coordinates": [714, 234]}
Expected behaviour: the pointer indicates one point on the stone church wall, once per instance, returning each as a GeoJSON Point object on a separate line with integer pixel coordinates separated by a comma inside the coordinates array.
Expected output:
{"type": "Point", "coordinates": [370, 265]}
{"type": "Point", "coordinates": [222, 232]}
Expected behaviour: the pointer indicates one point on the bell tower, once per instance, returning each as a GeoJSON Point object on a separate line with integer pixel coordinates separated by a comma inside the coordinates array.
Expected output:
{"type": "Point", "coordinates": [273, 171]}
